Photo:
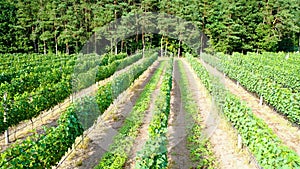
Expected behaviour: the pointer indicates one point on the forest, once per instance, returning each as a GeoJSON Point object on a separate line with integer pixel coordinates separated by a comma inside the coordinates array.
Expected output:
{"type": "Point", "coordinates": [64, 26]}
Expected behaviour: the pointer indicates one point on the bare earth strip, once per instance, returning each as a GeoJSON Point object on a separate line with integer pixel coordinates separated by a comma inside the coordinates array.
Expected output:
{"type": "Point", "coordinates": [221, 135]}
{"type": "Point", "coordinates": [285, 130]}
{"type": "Point", "coordinates": [178, 154]}
{"type": "Point", "coordinates": [143, 131]}
{"type": "Point", "coordinates": [100, 136]}
{"type": "Point", "coordinates": [49, 118]}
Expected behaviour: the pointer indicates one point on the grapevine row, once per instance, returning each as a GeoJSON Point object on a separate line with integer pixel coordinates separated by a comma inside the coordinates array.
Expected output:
{"type": "Point", "coordinates": [10, 73]}
{"type": "Point", "coordinates": [268, 149]}
{"type": "Point", "coordinates": [284, 100]}
{"type": "Point", "coordinates": [277, 70]}
{"type": "Point", "coordinates": [21, 61]}
{"type": "Point", "coordinates": [154, 152]}
{"type": "Point", "coordinates": [28, 105]}
{"type": "Point", "coordinates": [38, 151]}
{"type": "Point", "coordinates": [43, 151]}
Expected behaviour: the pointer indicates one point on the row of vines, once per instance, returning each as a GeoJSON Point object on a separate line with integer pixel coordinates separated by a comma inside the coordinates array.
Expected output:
{"type": "Point", "coordinates": [38, 151]}
{"type": "Point", "coordinates": [267, 148]}
{"type": "Point", "coordinates": [26, 96]}
{"type": "Point", "coordinates": [273, 77]}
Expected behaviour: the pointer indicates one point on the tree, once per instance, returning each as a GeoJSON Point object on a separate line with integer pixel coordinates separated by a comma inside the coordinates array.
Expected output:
{"type": "Point", "coordinates": [7, 27]}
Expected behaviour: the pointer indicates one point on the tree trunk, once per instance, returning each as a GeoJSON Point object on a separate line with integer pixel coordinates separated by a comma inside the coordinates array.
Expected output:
{"type": "Point", "coordinates": [55, 39]}
{"type": "Point", "coordinates": [116, 17]}
{"type": "Point", "coordinates": [161, 47]}
{"type": "Point", "coordinates": [179, 49]}
{"type": "Point", "coordinates": [37, 46]}
{"type": "Point", "coordinates": [143, 41]}
{"type": "Point", "coordinates": [201, 42]}
{"type": "Point", "coordinates": [76, 47]}
{"type": "Point", "coordinates": [111, 46]}
{"type": "Point", "coordinates": [137, 40]}
{"type": "Point", "coordinates": [67, 48]}
{"type": "Point", "coordinates": [116, 48]}
{"type": "Point", "coordinates": [88, 47]}
{"type": "Point", "coordinates": [56, 46]}
{"type": "Point", "coordinates": [299, 43]}
{"type": "Point", "coordinates": [95, 42]}
{"type": "Point", "coordinates": [122, 45]}
{"type": "Point", "coordinates": [34, 41]}
{"type": "Point", "coordinates": [137, 35]}
{"type": "Point", "coordinates": [202, 33]}
{"type": "Point", "coordinates": [44, 47]}
{"type": "Point", "coordinates": [86, 19]}
{"type": "Point", "coordinates": [166, 49]}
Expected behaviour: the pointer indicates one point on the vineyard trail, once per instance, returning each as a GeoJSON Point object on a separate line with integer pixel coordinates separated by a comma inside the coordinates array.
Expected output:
{"type": "Point", "coordinates": [221, 135]}
{"type": "Point", "coordinates": [100, 135]}
{"type": "Point", "coordinates": [178, 153]}
{"type": "Point", "coordinates": [285, 130]}
{"type": "Point", "coordinates": [143, 135]}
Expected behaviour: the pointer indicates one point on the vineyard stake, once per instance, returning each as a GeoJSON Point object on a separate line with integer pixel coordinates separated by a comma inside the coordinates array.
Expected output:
{"type": "Point", "coordinates": [260, 100]}
{"type": "Point", "coordinates": [15, 133]}
{"type": "Point", "coordinates": [4, 120]}
{"type": "Point", "coordinates": [240, 142]}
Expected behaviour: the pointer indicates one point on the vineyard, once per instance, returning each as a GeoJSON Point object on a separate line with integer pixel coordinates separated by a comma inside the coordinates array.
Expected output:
{"type": "Point", "coordinates": [144, 111]}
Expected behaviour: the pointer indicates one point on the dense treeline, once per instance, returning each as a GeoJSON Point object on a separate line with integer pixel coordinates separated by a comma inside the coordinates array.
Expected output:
{"type": "Point", "coordinates": [63, 26]}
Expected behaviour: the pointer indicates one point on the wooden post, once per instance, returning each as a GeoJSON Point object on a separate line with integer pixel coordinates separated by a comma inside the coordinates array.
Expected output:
{"type": "Point", "coordinates": [237, 83]}
{"type": "Point", "coordinates": [260, 100]}
{"type": "Point", "coordinates": [82, 140]}
{"type": "Point", "coordinates": [240, 142]}
{"type": "Point", "coordinates": [6, 133]}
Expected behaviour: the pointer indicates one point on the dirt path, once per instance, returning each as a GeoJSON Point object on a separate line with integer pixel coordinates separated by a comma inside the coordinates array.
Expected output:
{"type": "Point", "coordinates": [49, 118]}
{"type": "Point", "coordinates": [100, 136]}
{"type": "Point", "coordinates": [221, 135]}
{"type": "Point", "coordinates": [289, 134]}
{"type": "Point", "coordinates": [143, 134]}
{"type": "Point", "coordinates": [178, 154]}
